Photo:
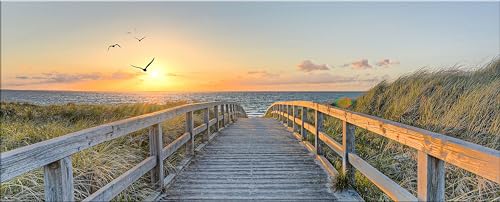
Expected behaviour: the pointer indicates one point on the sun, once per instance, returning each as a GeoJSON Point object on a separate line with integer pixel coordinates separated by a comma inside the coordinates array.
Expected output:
{"type": "Point", "coordinates": [154, 74]}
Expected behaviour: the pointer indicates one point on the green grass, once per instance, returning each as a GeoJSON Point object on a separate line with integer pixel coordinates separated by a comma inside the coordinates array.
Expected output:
{"type": "Point", "coordinates": [25, 124]}
{"type": "Point", "coordinates": [461, 104]}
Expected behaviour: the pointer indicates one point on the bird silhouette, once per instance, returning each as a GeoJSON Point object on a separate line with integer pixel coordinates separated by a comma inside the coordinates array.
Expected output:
{"type": "Point", "coordinates": [140, 38]}
{"type": "Point", "coordinates": [114, 45]}
{"type": "Point", "coordinates": [145, 68]}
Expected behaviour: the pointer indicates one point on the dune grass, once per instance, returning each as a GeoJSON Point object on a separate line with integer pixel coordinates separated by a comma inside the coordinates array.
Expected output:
{"type": "Point", "coordinates": [461, 104]}
{"type": "Point", "coordinates": [24, 124]}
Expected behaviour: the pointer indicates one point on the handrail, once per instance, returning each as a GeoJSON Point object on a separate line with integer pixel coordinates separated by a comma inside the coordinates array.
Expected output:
{"type": "Point", "coordinates": [433, 148]}
{"type": "Point", "coordinates": [54, 154]}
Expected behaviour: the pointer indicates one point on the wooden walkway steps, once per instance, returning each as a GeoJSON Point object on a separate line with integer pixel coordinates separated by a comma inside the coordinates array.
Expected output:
{"type": "Point", "coordinates": [255, 158]}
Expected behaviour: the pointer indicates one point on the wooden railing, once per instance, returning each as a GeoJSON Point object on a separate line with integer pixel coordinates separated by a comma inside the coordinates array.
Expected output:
{"type": "Point", "coordinates": [54, 155]}
{"type": "Point", "coordinates": [433, 149]}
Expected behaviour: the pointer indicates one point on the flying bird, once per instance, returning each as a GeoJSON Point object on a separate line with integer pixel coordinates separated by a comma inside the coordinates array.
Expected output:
{"type": "Point", "coordinates": [114, 45]}
{"type": "Point", "coordinates": [140, 38]}
{"type": "Point", "coordinates": [145, 68]}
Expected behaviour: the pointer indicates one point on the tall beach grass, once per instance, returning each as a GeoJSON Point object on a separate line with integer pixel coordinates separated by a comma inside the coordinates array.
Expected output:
{"type": "Point", "coordinates": [25, 124]}
{"type": "Point", "coordinates": [457, 103]}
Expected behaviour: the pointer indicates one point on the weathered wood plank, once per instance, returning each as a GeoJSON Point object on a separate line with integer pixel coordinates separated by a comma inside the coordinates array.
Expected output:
{"type": "Point", "coordinates": [309, 127]}
{"type": "Point", "coordinates": [58, 180]}
{"type": "Point", "coordinates": [474, 158]}
{"type": "Point", "coordinates": [388, 186]}
{"type": "Point", "coordinates": [190, 130]}
{"type": "Point", "coordinates": [216, 115]}
{"type": "Point", "coordinates": [24, 159]}
{"type": "Point", "coordinates": [303, 120]}
{"type": "Point", "coordinates": [430, 178]}
{"type": "Point", "coordinates": [155, 150]}
{"type": "Point", "coordinates": [253, 155]}
{"type": "Point", "coordinates": [175, 145]}
{"type": "Point", "coordinates": [318, 122]}
{"type": "Point", "coordinates": [199, 129]}
{"type": "Point", "coordinates": [116, 186]}
{"type": "Point", "coordinates": [223, 112]}
{"type": "Point", "coordinates": [295, 117]}
{"type": "Point", "coordinates": [330, 142]}
{"type": "Point", "coordinates": [348, 147]}
{"type": "Point", "coordinates": [212, 122]}
{"type": "Point", "coordinates": [206, 120]}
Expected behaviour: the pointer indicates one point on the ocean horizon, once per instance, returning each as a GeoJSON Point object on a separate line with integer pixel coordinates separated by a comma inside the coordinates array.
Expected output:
{"type": "Point", "coordinates": [255, 103]}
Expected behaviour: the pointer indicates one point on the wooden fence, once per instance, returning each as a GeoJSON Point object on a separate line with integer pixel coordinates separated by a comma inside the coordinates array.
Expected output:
{"type": "Point", "coordinates": [433, 149]}
{"type": "Point", "coordinates": [54, 155]}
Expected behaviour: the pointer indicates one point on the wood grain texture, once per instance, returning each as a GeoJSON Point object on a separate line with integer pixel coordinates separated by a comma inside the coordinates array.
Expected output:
{"type": "Point", "coordinates": [223, 113]}
{"type": "Point", "coordinates": [318, 122]}
{"type": "Point", "coordinates": [58, 180]}
{"type": "Point", "coordinates": [206, 120]}
{"type": "Point", "coordinates": [24, 159]}
{"type": "Point", "coordinates": [190, 131]}
{"type": "Point", "coordinates": [175, 145]}
{"type": "Point", "coordinates": [199, 129]}
{"type": "Point", "coordinates": [155, 150]}
{"type": "Point", "coordinates": [330, 142]}
{"type": "Point", "coordinates": [474, 158]}
{"type": "Point", "coordinates": [348, 147]}
{"type": "Point", "coordinates": [392, 189]}
{"type": "Point", "coordinates": [430, 178]}
{"type": "Point", "coordinates": [295, 117]}
{"type": "Point", "coordinates": [252, 159]}
{"type": "Point", "coordinates": [116, 186]}
{"type": "Point", "coordinates": [303, 119]}
{"type": "Point", "coordinates": [217, 120]}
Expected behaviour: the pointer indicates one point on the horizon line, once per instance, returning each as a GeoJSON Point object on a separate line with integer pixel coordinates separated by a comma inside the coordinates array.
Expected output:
{"type": "Point", "coordinates": [225, 91]}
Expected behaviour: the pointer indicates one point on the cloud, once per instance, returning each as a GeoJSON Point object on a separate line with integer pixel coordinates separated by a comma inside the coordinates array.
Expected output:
{"type": "Point", "coordinates": [360, 64]}
{"type": "Point", "coordinates": [262, 73]}
{"type": "Point", "coordinates": [123, 75]}
{"type": "Point", "coordinates": [55, 77]}
{"type": "Point", "coordinates": [323, 78]}
{"type": "Point", "coordinates": [309, 66]}
{"type": "Point", "coordinates": [65, 78]}
{"type": "Point", "coordinates": [386, 63]}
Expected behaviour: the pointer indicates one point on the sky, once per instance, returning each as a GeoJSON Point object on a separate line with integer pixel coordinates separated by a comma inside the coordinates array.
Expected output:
{"type": "Point", "coordinates": [238, 46]}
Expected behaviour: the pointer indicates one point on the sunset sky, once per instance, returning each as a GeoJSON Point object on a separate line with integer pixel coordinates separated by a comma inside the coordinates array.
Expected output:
{"type": "Point", "coordinates": [233, 46]}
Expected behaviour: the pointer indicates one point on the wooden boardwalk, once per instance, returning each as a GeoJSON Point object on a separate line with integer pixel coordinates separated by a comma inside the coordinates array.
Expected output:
{"type": "Point", "coordinates": [255, 158]}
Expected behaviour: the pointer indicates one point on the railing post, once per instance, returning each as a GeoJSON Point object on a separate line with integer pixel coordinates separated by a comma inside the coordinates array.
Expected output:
{"type": "Point", "coordinates": [206, 119]}
{"type": "Point", "coordinates": [295, 116]}
{"type": "Point", "coordinates": [235, 114]}
{"type": "Point", "coordinates": [430, 178]}
{"type": "Point", "coordinates": [231, 111]}
{"type": "Point", "coordinates": [216, 113]}
{"type": "Point", "coordinates": [223, 116]}
{"type": "Point", "coordinates": [287, 115]}
{"type": "Point", "coordinates": [304, 120]}
{"type": "Point", "coordinates": [319, 127]}
{"type": "Point", "coordinates": [348, 147]}
{"type": "Point", "coordinates": [155, 146]}
{"type": "Point", "coordinates": [58, 180]}
{"type": "Point", "coordinates": [228, 117]}
{"type": "Point", "coordinates": [229, 120]}
{"type": "Point", "coordinates": [283, 119]}
{"type": "Point", "coordinates": [275, 107]}
{"type": "Point", "coordinates": [189, 129]}
{"type": "Point", "coordinates": [279, 112]}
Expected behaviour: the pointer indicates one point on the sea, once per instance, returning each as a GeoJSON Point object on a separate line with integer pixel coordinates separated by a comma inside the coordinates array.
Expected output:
{"type": "Point", "coordinates": [254, 103]}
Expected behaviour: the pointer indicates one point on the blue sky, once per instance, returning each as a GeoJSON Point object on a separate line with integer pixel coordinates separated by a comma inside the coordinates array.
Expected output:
{"type": "Point", "coordinates": [244, 40]}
